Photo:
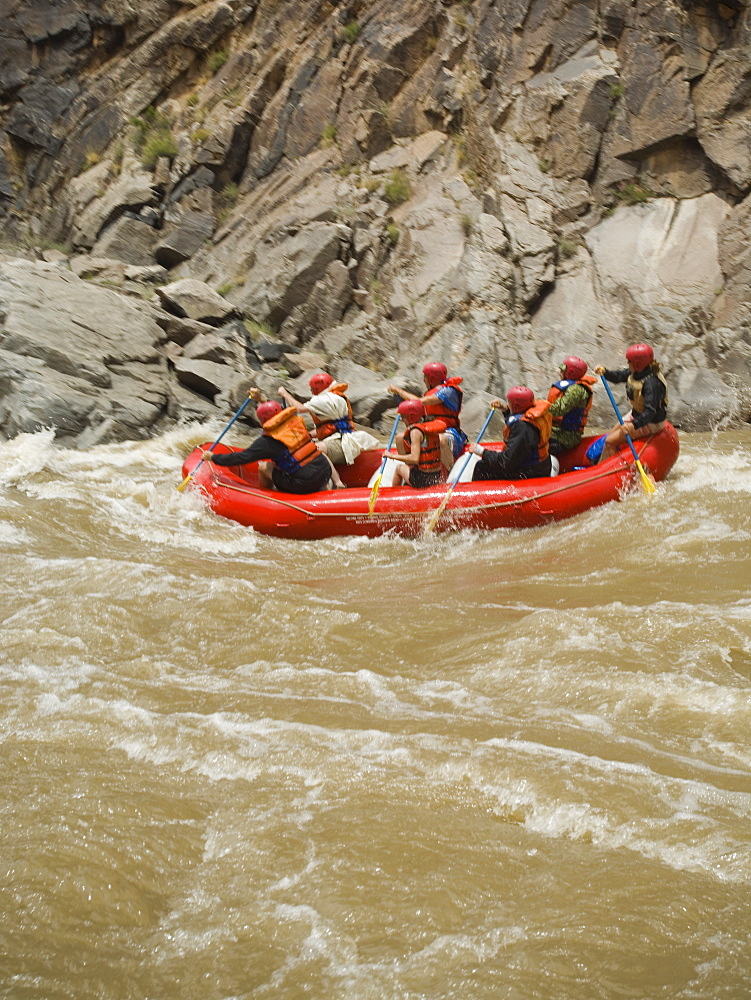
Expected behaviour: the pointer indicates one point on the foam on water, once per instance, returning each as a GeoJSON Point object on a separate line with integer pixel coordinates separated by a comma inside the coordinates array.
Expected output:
{"type": "Point", "coordinates": [373, 768]}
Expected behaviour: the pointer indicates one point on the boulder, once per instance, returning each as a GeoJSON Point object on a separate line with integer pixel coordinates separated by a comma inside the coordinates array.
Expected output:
{"type": "Point", "coordinates": [129, 240]}
{"type": "Point", "coordinates": [302, 363]}
{"type": "Point", "coordinates": [129, 191]}
{"type": "Point", "coordinates": [205, 377]}
{"type": "Point", "coordinates": [185, 239]}
{"type": "Point", "coordinates": [74, 354]}
{"type": "Point", "coordinates": [103, 269]}
{"type": "Point", "coordinates": [704, 401]}
{"type": "Point", "coordinates": [367, 391]}
{"type": "Point", "coordinates": [180, 330]}
{"type": "Point", "coordinates": [723, 118]}
{"type": "Point", "coordinates": [223, 348]}
{"type": "Point", "coordinates": [195, 300]}
{"type": "Point", "coordinates": [284, 274]}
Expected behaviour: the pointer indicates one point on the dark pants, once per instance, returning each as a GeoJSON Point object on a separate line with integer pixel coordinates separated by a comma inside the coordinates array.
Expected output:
{"type": "Point", "coordinates": [491, 466]}
{"type": "Point", "coordinates": [420, 480]}
{"type": "Point", "coordinates": [310, 479]}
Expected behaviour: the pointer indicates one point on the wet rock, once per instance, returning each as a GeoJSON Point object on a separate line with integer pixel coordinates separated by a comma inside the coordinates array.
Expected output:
{"type": "Point", "coordinates": [705, 401]}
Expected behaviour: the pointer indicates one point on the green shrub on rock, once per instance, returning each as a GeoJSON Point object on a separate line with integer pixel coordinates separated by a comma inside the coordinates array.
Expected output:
{"type": "Point", "coordinates": [397, 188]}
{"type": "Point", "coordinates": [157, 145]}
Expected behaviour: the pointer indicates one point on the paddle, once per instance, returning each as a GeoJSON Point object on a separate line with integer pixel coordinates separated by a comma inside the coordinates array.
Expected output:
{"type": "Point", "coordinates": [442, 506]}
{"type": "Point", "coordinates": [379, 477]}
{"type": "Point", "coordinates": [647, 484]}
{"type": "Point", "coordinates": [190, 475]}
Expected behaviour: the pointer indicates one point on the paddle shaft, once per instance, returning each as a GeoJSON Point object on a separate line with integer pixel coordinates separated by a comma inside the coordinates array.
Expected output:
{"type": "Point", "coordinates": [377, 483]}
{"type": "Point", "coordinates": [191, 474]}
{"type": "Point", "coordinates": [620, 418]}
{"type": "Point", "coordinates": [440, 509]}
{"type": "Point", "coordinates": [647, 484]}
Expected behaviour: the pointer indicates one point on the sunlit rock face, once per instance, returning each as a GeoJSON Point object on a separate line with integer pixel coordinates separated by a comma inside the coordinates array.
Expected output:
{"type": "Point", "coordinates": [493, 184]}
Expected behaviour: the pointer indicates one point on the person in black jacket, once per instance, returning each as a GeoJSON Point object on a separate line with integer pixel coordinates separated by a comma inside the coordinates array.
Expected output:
{"type": "Point", "coordinates": [647, 391]}
{"type": "Point", "coordinates": [289, 459]}
{"type": "Point", "coordinates": [527, 435]}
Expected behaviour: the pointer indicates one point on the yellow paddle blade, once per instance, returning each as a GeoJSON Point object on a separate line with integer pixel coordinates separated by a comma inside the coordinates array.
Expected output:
{"type": "Point", "coordinates": [374, 492]}
{"type": "Point", "coordinates": [185, 482]}
{"type": "Point", "coordinates": [647, 484]}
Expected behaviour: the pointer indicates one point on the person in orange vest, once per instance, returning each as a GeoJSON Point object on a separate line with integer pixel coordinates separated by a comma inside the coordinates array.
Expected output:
{"type": "Point", "coordinates": [420, 464]}
{"type": "Point", "coordinates": [527, 435]}
{"type": "Point", "coordinates": [288, 458]}
{"type": "Point", "coordinates": [570, 401]}
{"type": "Point", "coordinates": [442, 401]}
{"type": "Point", "coordinates": [331, 412]}
{"type": "Point", "coordinates": [646, 390]}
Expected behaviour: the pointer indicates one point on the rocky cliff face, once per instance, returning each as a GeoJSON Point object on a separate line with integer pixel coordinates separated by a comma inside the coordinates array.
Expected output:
{"type": "Point", "coordinates": [272, 185]}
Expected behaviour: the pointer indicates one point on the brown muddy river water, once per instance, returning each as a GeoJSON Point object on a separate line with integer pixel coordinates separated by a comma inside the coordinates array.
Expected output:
{"type": "Point", "coordinates": [510, 765]}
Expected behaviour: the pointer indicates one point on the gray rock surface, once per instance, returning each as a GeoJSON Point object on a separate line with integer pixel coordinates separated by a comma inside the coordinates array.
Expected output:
{"type": "Point", "coordinates": [90, 381]}
{"type": "Point", "coordinates": [495, 185]}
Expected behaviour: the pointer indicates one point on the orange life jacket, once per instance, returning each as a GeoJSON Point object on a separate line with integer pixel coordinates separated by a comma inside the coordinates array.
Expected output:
{"type": "Point", "coordinates": [344, 425]}
{"type": "Point", "coordinates": [289, 429]}
{"type": "Point", "coordinates": [430, 446]}
{"type": "Point", "coordinates": [539, 415]}
{"type": "Point", "coordinates": [437, 410]}
{"type": "Point", "coordinates": [574, 420]}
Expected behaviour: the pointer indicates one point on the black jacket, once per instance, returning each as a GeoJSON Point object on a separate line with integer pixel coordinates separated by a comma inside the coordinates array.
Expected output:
{"type": "Point", "coordinates": [266, 447]}
{"type": "Point", "coordinates": [513, 462]}
{"type": "Point", "coordinates": [653, 391]}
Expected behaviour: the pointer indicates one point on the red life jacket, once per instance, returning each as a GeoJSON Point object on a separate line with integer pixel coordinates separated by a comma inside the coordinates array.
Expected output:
{"type": "Point", "coordinates": [344, 425]}
{"type": "Point", "coordinates": [574, 420]}
{"type": "Point", "coordinates": [437, 410]}
{"type": "Point", "coordinates": [289, 429]}
{"type": "Point", "coordinates": [430, 446]}
{"type": "Point", "coordinates": [539, 415]}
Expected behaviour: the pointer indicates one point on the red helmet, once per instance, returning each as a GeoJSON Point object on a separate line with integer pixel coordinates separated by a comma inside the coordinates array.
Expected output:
{"type": "Point", "coordinates": [640, 356]}
{"type": "Point", "coordinates": [411, 411]}
{"type": "Point", "coordinates": [319, 382]}
{"type": "Point", "coordinates": [434, 373]}
{"type": "Point", "coordinates": [265, 411]}
{"type": "Point", "coordinates": [573, 367]}
{"type": "Point", "coordinates": [520, 398]}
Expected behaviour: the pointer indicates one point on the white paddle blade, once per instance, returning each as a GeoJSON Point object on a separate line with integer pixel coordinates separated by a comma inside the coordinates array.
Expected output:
{"type": "Point", "coordinates": [388, 474]}
{"type": "Point", "coordinates": [465, 466]}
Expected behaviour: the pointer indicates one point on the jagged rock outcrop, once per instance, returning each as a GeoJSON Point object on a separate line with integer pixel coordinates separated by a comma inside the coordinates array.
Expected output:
{"type": "Point", "coordinates": [494, 184]}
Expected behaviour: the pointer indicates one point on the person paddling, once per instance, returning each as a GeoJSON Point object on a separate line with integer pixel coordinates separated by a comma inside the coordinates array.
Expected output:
{"type": "Point", "coordinates": [442, 401]}
{"type": "Point", "coordinates": [647, 391]}
{"type": "Point", "coordinates": [331, 412]}
{"type": "Point", "coordinates": [527, 435]}
{"type": "Point", "coordinates": [420, 464]}
{"type": "Point", "coordinates": [288, 458]}
{"type": "Point", "coordinates": [570, 401]}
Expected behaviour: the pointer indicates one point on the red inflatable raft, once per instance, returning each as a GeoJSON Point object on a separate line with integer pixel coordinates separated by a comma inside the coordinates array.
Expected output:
{"type": "Point", "coordinates": [234, 493]}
